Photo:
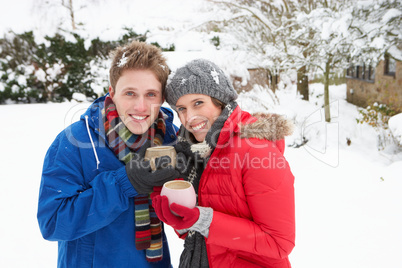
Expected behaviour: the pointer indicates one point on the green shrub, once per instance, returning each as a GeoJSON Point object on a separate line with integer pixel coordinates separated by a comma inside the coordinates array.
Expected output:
{"type": "Point", "coordinates": [57, 68]}
{"type": "Point", "coordinates": [377, 116]}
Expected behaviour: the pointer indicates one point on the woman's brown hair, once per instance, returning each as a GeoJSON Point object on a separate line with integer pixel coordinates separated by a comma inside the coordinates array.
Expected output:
{"type": "Point", "coordinates": [218, 103]}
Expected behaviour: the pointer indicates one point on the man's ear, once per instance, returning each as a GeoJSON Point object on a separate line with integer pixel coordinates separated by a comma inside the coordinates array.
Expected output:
{"type": "Point", "coordinates": [111, 91]}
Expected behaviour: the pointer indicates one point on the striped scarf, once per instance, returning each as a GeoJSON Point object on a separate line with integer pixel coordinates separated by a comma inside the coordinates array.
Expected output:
{"type": "Point", "coordinates": [125, 144]}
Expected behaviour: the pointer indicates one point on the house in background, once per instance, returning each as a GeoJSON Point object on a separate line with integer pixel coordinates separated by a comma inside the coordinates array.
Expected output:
{"type": "Point", "coordinates": [382, 84]}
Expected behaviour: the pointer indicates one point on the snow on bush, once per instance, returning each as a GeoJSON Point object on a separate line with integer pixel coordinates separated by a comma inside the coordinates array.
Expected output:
{"type": "Point", "coordinates": [395, 125]}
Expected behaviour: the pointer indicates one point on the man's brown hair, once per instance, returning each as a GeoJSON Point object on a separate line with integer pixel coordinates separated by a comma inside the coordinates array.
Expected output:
{"type": "Point", "coordinates": [138, 56]}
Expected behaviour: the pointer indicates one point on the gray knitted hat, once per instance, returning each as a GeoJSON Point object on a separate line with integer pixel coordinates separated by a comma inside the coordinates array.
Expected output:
{"type": "Point", "coordinates": [200, 77]}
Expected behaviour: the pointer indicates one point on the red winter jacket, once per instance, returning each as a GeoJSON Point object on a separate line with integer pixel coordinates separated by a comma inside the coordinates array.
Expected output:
{"type": "Point", "coordinates": [249, 185]}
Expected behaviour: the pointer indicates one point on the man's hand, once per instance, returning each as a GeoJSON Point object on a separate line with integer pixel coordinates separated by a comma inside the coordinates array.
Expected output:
{"type": "Point", "coordinates": [144, 179]}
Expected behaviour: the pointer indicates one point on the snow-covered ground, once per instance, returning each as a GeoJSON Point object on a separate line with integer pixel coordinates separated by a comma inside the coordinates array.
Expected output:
{"type": "Point", "coordinates": [348, 201]}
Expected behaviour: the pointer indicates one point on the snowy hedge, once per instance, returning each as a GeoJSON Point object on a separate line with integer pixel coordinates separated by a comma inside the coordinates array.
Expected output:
{"type": "Point", "coordinates": [56, 68]}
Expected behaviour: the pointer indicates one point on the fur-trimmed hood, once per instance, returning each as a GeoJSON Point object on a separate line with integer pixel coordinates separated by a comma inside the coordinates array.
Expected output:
{"type": "Point", "coordinates": [267, 126]}
{"type": "Point", "coordinates": [272, 127]}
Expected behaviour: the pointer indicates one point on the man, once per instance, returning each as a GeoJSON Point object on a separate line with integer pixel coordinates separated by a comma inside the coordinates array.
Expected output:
{"type": "Point", "coordinates": [94, 191]}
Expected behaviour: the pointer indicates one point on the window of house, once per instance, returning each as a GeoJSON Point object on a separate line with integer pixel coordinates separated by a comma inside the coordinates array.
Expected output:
{"type": "Point", "coordinates": [390, 66]}
{"type": "Point", "coordinates": [364, 72]}
{"type": "Point", "coordinates": [361, 71]}
{"type": "Point", "coordinates": [348, 71]}
{"type": "Point", "coordinates": [368, 72]}
{"type": "Point", "coordinates": [358, 71]}
{"type": "Point", "coordinates": [351, 71]}
{"type": "Point", "coordinates": [371, 73]}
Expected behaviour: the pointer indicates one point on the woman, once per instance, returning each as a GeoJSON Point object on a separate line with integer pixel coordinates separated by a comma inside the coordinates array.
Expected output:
{"type": "Point", "coordinates": [245, 213]}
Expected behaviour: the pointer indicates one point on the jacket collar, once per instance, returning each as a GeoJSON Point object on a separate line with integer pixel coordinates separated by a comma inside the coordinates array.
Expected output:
{"type": "Point", "coordinates": [94, 113]}
{"type": "Point", "coordinates": [269, 126]}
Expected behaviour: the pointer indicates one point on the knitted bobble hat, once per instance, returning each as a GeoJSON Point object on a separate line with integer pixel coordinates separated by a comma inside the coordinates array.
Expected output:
{"type": "Point", "coordinates": [200, 77]}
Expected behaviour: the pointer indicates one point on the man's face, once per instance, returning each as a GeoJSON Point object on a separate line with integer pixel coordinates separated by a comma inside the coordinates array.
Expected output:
{"type": "Point", "coordinates": [138, 97]}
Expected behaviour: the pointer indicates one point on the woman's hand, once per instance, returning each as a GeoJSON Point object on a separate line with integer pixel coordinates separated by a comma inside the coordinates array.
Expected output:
{"type": "Point", "coordinates": [186, 217]}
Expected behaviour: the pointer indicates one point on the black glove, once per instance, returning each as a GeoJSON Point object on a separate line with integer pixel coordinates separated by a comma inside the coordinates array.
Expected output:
{"type": "Point", "coordinates": [144, 179]}
{"type": "Point", "coordinates": [185, 148]}
{"type": "Point", "coordinates": [186, 159]}
{"type": "Point", "coordinates": [182, 164]}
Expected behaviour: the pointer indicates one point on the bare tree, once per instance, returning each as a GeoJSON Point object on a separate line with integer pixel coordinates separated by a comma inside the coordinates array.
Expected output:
{"type": "Point", "coordinates": [307, 35]}
{"type": "Point", "coordinates": [49, 8]}
{"type": "Point", "coordinates": [265, 27]}
{"type": "Point", "coordinates": [69, 5]}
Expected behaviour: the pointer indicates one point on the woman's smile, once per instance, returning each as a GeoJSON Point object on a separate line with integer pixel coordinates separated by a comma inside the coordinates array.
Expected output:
{"type": "Point", "coordinates": [199, 125]}
{"type": "Point", "coordinates": [197, 113]}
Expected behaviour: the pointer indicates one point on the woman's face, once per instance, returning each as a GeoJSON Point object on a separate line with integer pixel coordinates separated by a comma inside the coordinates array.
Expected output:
{"type": "Point", "coordinates": [197, 113]}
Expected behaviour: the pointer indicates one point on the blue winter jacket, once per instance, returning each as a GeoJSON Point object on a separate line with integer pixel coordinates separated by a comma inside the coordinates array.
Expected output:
{"type": "Point", "coordinates": [86, 200]}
